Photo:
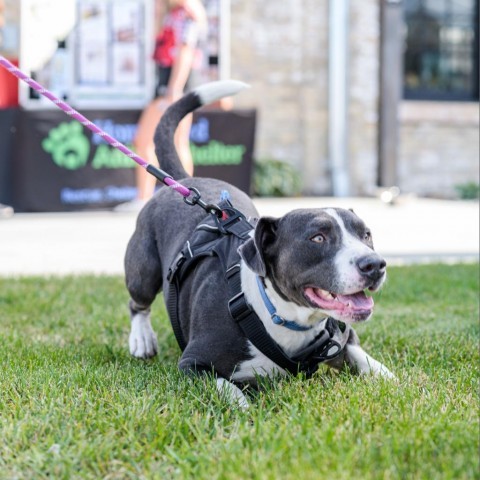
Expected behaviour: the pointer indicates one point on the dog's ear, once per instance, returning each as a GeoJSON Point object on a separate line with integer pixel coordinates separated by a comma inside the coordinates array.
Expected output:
{"type": "Point", "coordinates": [253, 250]}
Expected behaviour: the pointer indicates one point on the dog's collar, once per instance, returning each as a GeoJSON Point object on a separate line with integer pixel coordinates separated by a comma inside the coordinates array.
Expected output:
{"type": "Point", "coordinates": [277, 319]}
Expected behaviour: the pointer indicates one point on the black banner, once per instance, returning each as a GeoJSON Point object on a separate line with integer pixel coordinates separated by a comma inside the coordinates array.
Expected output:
{"type": "Point", "coordinates": [222, 145]}
{"type": "Point", "coordinates": [8, 138]}
{"type": "Point", "coordinates": [61, 166]}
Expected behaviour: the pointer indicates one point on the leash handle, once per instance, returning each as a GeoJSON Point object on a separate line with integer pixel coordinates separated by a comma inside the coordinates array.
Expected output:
{"type": "Point", "coordinates": [156, 172]}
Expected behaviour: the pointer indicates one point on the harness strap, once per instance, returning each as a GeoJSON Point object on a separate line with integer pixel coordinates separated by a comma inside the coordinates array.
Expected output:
{"type": "Point", "coordinates": [172, 308]}
{"type": "Point", "coordinates": [320, 349]}
{"type": "Point", "coordinates": [255, 331]}
{"type": "Point", "coordinates": [235, 224]}
{"type": "Point", "coordinates": [232, 231]}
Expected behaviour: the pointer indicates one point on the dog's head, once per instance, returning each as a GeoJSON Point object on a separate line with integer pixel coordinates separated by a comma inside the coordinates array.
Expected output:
{"type": "Point", "coordinates": [318, 258]}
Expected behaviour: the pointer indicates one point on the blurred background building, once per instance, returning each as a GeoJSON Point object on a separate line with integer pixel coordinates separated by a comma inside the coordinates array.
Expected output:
{"type": "Point", "coordinates": [355, 96]}
{"type": "Point", "coordinates": [416, 59]}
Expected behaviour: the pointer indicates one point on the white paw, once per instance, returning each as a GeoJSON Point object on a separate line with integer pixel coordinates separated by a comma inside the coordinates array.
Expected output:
{"type": "Point", "coordinates": [385, 373]}
{"type": "Point", "coordinates": [232, 394]}
{"type": "Point", "coordinates": [365, 364]}
{"type": "Point", "coordinates": [142, 340]}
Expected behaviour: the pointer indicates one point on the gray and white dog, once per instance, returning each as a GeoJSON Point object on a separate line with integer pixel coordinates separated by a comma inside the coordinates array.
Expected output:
{"type": "Point", "coordinates": [316, 265]}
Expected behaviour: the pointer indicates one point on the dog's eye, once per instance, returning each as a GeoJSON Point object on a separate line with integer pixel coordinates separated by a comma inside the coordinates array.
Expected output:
{"type": "Point", "coordinates": [320, 238]}
{"type": "Point", "coordinates": [368, 235]}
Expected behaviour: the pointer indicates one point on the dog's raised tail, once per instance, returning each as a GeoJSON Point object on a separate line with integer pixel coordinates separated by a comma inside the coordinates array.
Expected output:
{"type": "Point", "coordinates": [164, 134]}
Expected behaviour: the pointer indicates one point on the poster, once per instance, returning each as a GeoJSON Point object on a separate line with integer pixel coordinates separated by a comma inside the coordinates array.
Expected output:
{"type": "Point", "coordinates": [112, 44]}
{"type": "Point", "coordinates": [92, 57]}
{"type": "Point", "coordinates": [96, 57]}
{"type": "Point", "coordinates": [128, 50]}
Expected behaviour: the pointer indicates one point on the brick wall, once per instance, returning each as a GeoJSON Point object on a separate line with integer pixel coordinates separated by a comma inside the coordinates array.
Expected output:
{"type": "Point", "coordinates": [280, 48]}
{"type": "Point", "coordinates": [439, 147]}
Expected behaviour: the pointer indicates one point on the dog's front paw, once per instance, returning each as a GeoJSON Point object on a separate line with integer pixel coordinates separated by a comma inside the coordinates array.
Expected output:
{"type": "Point", "coordinates": [364, 364]}
{"type": "Point", "coordinates": [142, 340]}
{"type": "Point", "coordinates": [386, 373]}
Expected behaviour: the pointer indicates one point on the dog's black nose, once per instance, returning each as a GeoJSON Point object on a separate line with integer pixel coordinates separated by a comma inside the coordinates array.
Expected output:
{"type": "Point", "coordinates": [371, 266]}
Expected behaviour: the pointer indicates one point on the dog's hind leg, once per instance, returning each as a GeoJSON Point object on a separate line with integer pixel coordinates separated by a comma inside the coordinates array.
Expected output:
{"type": "Point", "coordinates": [144, 281]}
{"type": "Point", "coordinates": [226, 389]}
{"type": "Point", "coordinates": [232, 394]}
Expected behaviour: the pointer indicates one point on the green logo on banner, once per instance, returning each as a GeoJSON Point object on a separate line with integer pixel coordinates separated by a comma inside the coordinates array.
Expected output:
{"type": "Point", "coordinates": [68, 145]}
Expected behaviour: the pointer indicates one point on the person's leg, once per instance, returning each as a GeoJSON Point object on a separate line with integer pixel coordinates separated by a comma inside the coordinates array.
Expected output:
{"type": "Point", "coordinates": [145, 148]}
{"type": "Point", "coordinates": [6, 211]}
{"type": "Point", "coordinates": [182, 144]}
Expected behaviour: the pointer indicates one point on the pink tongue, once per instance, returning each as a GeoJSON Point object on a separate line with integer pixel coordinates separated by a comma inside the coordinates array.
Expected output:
{"type": "Point", "coordinates": [358, 301]}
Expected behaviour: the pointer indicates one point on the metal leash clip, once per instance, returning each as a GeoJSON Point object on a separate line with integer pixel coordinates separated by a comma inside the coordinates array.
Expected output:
{"type": "Point", "coordinates": [197, 200]}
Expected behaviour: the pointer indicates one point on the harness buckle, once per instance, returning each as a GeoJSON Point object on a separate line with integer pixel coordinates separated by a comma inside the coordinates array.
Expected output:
{"type": "Point", "coordinates": [327, 351]}
{"type": "Point", "coordinates": [238, 307]}
{"type": "Point", "coordinates": [321, 349]}
{"type": "Point", "coordinates": [233, 222]}
{"type": "Point", "coordinates": [176, 264]}
{"type": "Point", "coordinates": [233, 270]}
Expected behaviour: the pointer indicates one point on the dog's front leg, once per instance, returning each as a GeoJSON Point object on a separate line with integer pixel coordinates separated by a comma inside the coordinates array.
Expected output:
{"type": "Point", "coordinates": [142, 340]}
{"type": "Point", "coordinates": [355, 357]}
{"type": "Point", "coordinates": [358, 359]}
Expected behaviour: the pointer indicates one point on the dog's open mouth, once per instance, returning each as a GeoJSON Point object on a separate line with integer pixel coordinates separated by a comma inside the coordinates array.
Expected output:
{"type": "Point", "coordinates": [357, 305]}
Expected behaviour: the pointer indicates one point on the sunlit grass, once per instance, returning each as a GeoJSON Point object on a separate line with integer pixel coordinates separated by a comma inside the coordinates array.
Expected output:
{"type": "Point", "coordinates": [74, 404]}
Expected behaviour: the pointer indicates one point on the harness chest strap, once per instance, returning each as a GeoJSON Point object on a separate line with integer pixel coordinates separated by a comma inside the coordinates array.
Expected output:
{"type": "Point", "coordinates": [322, 347]}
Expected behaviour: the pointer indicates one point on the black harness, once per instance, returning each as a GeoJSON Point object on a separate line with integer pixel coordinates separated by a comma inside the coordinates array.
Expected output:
{"type": "Point", "coordinates": [221, 238]}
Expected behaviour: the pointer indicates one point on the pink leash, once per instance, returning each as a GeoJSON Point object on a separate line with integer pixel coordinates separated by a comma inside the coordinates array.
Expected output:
{"type": "Point", "coordinates": [156, 172]}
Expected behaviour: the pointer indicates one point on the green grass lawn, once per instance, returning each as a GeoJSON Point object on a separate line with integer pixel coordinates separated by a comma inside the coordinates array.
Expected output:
{"type": "Point", "coordinates": [74, 405]}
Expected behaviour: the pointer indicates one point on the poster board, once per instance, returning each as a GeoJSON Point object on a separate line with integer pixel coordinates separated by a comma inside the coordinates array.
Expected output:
{"type": "Point", "coordinates": [95, 57]}
{"type": "Point", "coordinates": [98, 53]}
{"type": "Point", "coordinates": [111, 45]}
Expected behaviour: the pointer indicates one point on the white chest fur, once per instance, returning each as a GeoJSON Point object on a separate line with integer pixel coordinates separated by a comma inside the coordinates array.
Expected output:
{"type": "Point", "coordinates": [291, 341]}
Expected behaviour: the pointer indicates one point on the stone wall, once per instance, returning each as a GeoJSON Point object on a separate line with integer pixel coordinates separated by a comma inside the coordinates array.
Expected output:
{"type": "Point", "coordinates": [364, 95]}
{"type": "Point", "coordinates": [283, 53]}
{"type": "Point", "coordinates": [281, 48]}
{"type": "Point", "coordinates": [439, 147]}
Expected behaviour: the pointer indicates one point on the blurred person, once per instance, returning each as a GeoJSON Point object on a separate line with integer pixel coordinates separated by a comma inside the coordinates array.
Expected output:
{"type": "Point", "coordinates": [177, 56]}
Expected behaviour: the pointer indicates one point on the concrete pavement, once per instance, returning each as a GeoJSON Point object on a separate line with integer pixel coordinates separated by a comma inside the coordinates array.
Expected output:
{"type": "Point", "coordinates": [414, 231]}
